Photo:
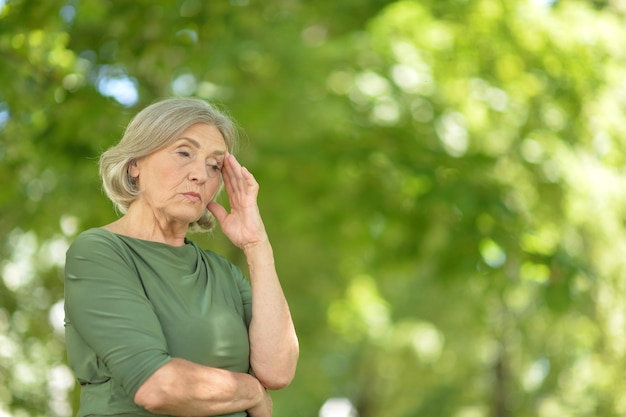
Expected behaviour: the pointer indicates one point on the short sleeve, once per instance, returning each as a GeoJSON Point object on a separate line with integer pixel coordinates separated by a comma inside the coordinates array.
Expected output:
{"type": "Point", "coordinates": [108, 315]}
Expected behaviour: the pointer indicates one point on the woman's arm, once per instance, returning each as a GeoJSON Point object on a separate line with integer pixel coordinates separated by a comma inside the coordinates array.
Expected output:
{"type": "Point", "coordinates": [183, 388]}
{"type": "Point", "coordinates": [273, 342]}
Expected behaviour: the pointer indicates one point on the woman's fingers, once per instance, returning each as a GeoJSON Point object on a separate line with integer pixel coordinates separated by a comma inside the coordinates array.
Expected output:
{"type": "Point", "coordinates": [231, 172]}
{"type": "Point", "coordinates": [217, 210]}
{"type": "Point", "coordinates": [238, 181]}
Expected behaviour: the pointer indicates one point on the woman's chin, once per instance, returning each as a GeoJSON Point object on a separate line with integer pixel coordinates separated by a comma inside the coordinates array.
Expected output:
{"type": "Point", "coordinates": [189, 217]}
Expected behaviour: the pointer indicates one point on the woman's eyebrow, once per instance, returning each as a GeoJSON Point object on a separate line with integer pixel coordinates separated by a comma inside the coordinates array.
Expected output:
{"type": "Point", "coordinates": [196, 144]}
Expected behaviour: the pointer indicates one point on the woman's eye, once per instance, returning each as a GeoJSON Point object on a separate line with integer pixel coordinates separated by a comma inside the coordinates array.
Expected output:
{"type": "Point", "coordinates": [184, 154]}
{"type": "Point", "coordinates": [214, 170]}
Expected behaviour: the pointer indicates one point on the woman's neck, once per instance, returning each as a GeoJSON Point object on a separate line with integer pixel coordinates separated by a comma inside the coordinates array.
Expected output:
{"type": "Point", "coordinates": [147, 225]}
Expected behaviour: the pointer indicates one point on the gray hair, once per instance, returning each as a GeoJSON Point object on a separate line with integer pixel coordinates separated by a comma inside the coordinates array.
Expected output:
{"type": "Point", "coordinates": [152, 129]}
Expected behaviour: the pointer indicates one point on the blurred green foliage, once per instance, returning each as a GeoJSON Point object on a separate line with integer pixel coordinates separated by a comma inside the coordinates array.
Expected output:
{"type": "Point", "coordinates": [443, 181]}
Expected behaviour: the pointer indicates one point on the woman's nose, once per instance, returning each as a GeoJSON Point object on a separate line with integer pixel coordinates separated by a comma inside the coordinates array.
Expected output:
{"type": "Point", "coordinates": [199, 173]}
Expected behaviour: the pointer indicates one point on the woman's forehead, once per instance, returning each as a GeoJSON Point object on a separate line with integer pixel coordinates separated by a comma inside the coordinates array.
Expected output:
{"type": "Point", "coordinates": [203, 136]}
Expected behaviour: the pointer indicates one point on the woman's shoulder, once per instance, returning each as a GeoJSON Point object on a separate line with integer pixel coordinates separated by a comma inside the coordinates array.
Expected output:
{"type": "Point", "coordinates": [96, 234]}
{"type": "Point", "coordinates": [95, 239]}
{"type": "Point", "coordinates": [99, 246]}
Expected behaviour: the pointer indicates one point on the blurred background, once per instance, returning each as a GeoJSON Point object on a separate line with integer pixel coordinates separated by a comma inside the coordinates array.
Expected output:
{"type": "Point", "coordinates": [443, 182]}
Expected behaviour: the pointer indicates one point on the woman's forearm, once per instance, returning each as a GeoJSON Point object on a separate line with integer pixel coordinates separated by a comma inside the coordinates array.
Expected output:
{"type": "Point", "coordinates": [183, 388]}
{"type": "Point", "coordinates": [273, 342]}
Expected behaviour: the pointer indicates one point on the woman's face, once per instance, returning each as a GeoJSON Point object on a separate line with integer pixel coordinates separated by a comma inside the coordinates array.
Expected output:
{"type": "Point", "coordinates": [178, 181]}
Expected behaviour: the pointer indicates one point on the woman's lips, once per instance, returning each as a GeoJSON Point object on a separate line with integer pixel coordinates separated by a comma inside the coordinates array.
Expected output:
{"type": "Point", "coordinates": [193, 196]}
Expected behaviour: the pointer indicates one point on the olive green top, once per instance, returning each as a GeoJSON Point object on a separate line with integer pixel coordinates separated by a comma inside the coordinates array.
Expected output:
{"type": "Point", "coordinates": [131, 305]}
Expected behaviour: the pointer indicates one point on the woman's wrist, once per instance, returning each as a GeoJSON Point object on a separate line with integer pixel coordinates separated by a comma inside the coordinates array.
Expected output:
{"type": "Point", "coordinates": [260, 252]}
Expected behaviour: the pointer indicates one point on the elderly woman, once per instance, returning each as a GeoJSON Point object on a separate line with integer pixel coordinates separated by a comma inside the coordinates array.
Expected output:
{"type": "Point", "coordinates": [155, 325]}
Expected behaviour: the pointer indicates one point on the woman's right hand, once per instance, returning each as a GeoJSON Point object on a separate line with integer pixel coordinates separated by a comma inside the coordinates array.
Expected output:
{"type": "Point", "coordinates": [264, 408]}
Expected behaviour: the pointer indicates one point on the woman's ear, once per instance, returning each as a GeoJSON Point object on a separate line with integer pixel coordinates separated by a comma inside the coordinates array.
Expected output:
{"type": "Point", "coordinates": [133, 169]}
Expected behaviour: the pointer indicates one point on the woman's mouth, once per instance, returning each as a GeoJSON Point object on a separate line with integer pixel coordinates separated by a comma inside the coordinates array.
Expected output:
{"type": "Point", "coordinates": [191, 196]}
